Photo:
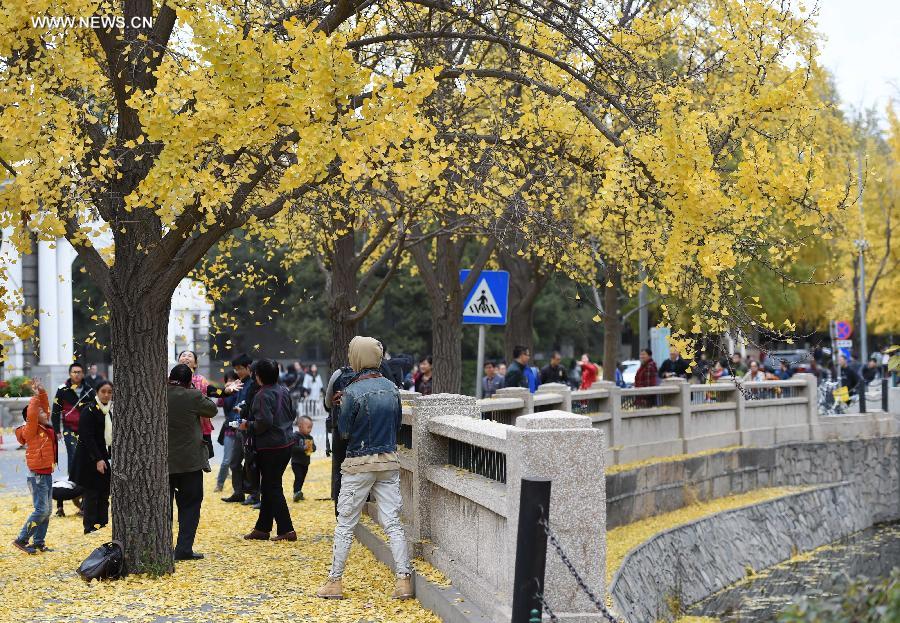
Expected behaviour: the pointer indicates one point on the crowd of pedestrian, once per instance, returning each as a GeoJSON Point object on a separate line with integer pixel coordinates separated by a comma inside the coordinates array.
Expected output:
{"type": "Point", "coordinates": [261, 435]}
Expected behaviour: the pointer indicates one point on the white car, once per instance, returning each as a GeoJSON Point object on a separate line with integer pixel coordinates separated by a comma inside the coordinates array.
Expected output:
{"type": "Point", "coordinates": [629, 370]}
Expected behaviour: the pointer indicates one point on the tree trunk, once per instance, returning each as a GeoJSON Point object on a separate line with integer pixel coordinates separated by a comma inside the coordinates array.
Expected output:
{"type": "Point", "coordinates": [525, 284]}
{"type": "Point", "coordinates": [343, 299]}
{"type": "Point", "coordinates": [612, 325]}
{"type": "Point", "coordinates": [446, 330]}
{"type": "Point", "coordinates": [141, 507]}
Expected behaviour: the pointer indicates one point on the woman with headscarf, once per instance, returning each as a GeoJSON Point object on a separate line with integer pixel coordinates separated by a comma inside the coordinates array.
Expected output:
{"type": "Point", "coordinates": [198, 381]}
{"type": "Point", "coordinates": [92, 457]}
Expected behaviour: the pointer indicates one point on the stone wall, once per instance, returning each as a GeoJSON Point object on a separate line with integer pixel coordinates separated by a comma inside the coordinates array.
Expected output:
{"type": "Point", "coordinates": [662, 487]}
{"type": "Point", "coordinates": [686, 564]}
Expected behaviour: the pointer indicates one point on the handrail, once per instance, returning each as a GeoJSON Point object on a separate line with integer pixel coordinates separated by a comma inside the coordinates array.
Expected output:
{"type": "Point", "coordinates": [481, 433]}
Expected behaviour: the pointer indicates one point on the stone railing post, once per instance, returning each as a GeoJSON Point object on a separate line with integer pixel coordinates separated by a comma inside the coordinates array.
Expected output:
{"type": "Point", "coordinates": [682, 400]}
{"type": "Point", "coordinates": [811, 392]}
{"type": "Point", "coordinates": [558, 388]}
{"type": "Point", "coordinates": [614, 407]}
{"type": "Point", "coordinates": [740, 412]}
{"type": "Point", "coordinates": [566, 449]}
{"type": "Point", "coordinates": [431, 449]}
{"type": "Point", "coordinates": [518, 392]}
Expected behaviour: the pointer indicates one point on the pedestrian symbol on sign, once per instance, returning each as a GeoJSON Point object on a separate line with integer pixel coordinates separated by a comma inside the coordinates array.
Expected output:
{"type": "Point", "coordinates": [484, 305]}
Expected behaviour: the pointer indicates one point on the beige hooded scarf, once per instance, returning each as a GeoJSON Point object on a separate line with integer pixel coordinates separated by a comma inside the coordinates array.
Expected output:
{"type": "Point", "coordinates": [365, 352]}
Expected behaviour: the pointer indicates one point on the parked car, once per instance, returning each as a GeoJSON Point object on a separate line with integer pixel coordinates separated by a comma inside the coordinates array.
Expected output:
{"type": "Point", "coordinates": [799, 360]}
{"type": "Point", "coordinates": [629, 370]}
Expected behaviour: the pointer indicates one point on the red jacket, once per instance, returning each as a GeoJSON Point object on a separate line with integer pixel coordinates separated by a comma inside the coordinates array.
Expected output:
{"type": "Point", "coordinates": [40, 440]}
{"type": "Point", "coordinates": [589, 372]}
{"type": "Point", "coordinates": [646, 375]}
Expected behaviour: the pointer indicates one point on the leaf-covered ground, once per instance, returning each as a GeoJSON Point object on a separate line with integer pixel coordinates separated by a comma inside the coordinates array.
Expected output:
{"type": "Point", "coordinates": [621, 540]}
{"type": "Point", "coordinates": [239, 581]}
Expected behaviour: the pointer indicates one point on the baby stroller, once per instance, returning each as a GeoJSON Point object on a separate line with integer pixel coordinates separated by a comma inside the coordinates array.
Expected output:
{"type": "Point", "coordinates": [64, 491]}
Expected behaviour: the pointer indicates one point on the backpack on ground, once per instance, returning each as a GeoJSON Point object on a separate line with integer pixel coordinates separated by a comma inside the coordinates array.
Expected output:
{"type": "Point", "coordinates": [107, 562]}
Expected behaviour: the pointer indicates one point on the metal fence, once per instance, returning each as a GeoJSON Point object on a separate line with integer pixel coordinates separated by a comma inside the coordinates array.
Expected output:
{"type": "Point", "coordinates": [488, 463]}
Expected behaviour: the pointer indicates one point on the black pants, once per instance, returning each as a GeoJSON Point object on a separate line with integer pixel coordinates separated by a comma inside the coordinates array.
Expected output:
{"type": "Point", "coordinates": [186, 490]}
{"type": "Point", "coordinates": [95, 506]}
{"type": "Point", "coordinates": [252, 474]}
{"type": "Point", "coordinates": [300, 470]}
{"type": "Point", "coordinates": [272, 464]}
{"type": "Point", "coordinates": [338, 454]}
{"type": "Point", "coordinates": [236, 463]}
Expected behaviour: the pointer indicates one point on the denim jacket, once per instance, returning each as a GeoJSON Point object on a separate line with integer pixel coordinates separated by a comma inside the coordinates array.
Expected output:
{"type": "Point", "coordinates": [370, 416]}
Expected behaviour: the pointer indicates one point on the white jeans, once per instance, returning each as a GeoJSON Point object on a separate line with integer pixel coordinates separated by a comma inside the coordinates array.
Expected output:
{"type": "Point", "coordinates": [385, 486]}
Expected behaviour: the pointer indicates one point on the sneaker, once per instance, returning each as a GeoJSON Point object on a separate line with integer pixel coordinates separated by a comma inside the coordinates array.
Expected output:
{"type": "Point", "coordinates": [42, 548]}
{"type": "Point", "coordinates": [234, 497]}
{"type": "Point", "coordinates": [332, 589]}
{"type": "Point", "coordinates": [218, 489]}
{"type": "Point", "coordinates": [403, 588]}
{"type": "Point", "coordinates": [25, 547]}
{"type": "Point", "coordinates": [250, 501]}
{"type": "Point", "coordinates": [60, 512]}
{"type": "Point", "coordinates": [298, 495]}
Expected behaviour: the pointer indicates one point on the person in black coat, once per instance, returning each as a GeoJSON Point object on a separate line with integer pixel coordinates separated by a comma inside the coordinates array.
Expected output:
{"type": "Point", "coordinates": [92, 457]}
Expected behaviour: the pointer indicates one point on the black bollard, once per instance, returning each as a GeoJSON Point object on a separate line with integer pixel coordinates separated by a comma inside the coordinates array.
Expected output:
{"type": "Point", "coordinates": [531, 548]}
{"type": "Point", "coordinates": [885, 389]}
{"type": "Point", "coordinates": [862, 395]}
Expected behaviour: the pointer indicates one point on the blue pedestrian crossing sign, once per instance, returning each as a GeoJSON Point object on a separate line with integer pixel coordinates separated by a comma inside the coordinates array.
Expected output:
{"type": "Point", "coordinates": [487, 303]}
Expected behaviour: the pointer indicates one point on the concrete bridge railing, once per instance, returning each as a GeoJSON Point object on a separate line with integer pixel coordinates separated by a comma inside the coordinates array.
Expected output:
{"type": "Point", "coordinates": [461, 481]}
{"type": "Point", "coordinates": [677, 417]}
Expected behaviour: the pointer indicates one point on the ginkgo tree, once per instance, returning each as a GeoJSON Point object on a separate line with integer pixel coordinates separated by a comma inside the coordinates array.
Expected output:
{"type": "Point", "coordinates": [166, 137]}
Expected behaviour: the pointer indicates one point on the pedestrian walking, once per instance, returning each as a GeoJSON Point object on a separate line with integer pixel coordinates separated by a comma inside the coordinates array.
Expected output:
{"type": "Point", "coordinates": [589, 372]}
{"type": "Point", "coordinates": [423, 383]}
{"type": "Point", "coordinates": [336, 385]}
{"type": "Point", "coordinates": [93, 458]}
{"type": "Point", "coordinates": [270, 425]}
{"type": "Point", "coordinates": [70, 398]}
{"type": "Point", "coordinates": [93, 378]}
{"type": "Point", "coordinates": [241, 367]}
{"type": "Point", "coordinates": [491, 381]}
{"type": "Point", "coordinates": [515, 374]}
{"type": "Point", "coordinates": [369, 419]}
{"type": "Point", "coordinates": [199, 382]}
{"type": "Point", "coordinates": [554, 372]}
{"type": "Point", "coordinates": [188, 456]}
{"type": "Point", "coordinates": [39, 439]}
{"type": "Point", "coordinates": [673, 367]}
{"type": "Point", "coordinates": [227, 401]}
{"type": "Point", "coordinates": [304, 447]}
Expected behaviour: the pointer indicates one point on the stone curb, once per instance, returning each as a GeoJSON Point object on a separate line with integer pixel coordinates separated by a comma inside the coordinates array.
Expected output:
{"type": "Point", "coordinates": [447, 603]}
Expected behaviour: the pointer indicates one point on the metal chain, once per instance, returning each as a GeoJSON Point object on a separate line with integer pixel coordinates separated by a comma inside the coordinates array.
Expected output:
{"type": "Point", "coordinates": [547, 609]}
{"type": "Point", "coordinates": [581, 583]}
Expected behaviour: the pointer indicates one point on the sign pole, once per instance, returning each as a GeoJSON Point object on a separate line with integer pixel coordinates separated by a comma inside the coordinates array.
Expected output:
{"type": "Point", "coordinates": [479, 366]}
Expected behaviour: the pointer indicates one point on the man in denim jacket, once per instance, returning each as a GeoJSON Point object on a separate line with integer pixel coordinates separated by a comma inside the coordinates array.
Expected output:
{"type": "Point", "coordinates": [369, 420]}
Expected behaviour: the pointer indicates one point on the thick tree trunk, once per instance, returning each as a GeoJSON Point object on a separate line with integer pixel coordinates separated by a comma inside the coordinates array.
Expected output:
{"type": "Point", "coordinates": [141, 513]}
{"type": "Point", "coordinates": [612, 326]}
{"type": "Point", "coordinates": [446, 329]}
{"type": "Point", "coordinates": [525, 284]}
{"type": "Point", "coordinates": [343, 299]}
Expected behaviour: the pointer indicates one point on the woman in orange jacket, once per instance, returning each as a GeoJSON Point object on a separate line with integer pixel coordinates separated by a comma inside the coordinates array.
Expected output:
{"type": "Point", "coordinates": [41, 457]}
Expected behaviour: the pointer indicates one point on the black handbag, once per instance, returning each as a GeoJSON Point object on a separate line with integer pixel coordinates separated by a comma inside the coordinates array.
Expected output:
{"type": "Point", "coordinates": [107, 562]}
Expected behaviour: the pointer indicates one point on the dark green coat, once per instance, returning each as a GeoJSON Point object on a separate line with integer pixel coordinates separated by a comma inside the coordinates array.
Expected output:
{"type": "Point", "coordinates": [187, 450]}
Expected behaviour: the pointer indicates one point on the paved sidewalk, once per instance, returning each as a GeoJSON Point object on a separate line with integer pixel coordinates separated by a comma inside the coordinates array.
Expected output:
{"type": "Point", "coordinates": [239, 581]}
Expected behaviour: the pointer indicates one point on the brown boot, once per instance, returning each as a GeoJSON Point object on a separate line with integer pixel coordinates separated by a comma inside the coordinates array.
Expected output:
{"type": "Point", "coordinates": [256, 535]}
{"type": "Point", "coordinates": [332, 589]}
{"type": "Point", "coordinates": [287, 536]}
{"type": "Point", "coordinates": [403, 588]}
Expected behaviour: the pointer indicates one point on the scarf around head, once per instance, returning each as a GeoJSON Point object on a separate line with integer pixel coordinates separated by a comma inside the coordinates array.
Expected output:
{"type": "Point", "coordinates": [106, 410]}
{"type": "Point", "coordinates": [365, 352]}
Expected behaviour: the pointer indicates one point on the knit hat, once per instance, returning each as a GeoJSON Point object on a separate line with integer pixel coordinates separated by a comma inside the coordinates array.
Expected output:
{"type": "Point", "coordinates": [365, 352]}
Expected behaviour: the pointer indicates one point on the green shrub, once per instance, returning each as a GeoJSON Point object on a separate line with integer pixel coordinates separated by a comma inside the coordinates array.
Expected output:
{"type": "Point", "coordinates": [16, 387]}
{"type": "Point", "coordinates": [862, 602]}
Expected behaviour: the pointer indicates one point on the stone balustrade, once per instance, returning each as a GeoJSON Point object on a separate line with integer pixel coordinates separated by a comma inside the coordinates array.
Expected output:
{"type": "Point", "coordinates": [461, 481]}
{"type": "Point", "coordinates": [677, 417]}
